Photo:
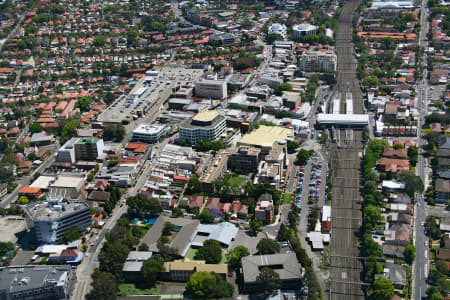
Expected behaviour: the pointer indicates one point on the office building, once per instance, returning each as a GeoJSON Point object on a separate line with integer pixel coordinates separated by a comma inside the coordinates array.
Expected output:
{"type": "Point", "coordinates": [318, 61]}
{"type": "Point", "coordinates": [302, 30]}
{"type": "Point", "coordinates": [206, 125]}
{"type": "Point", "coordinates": [36, 282]}
{"type": "Point", "coordinates": [272, 82]}
{"type": "Point", "coordinates": [244, 159]}
{"type": "Point", "coordinates": [286, 265]}
{"type": "Point", "coordinates": [88, 148]}
{"type": "Point", "coordinates": [222, 39]}
{"type": "Point", "coordinates": [52, 218]}
{"type": "Point", "coordinates": [149, 133]}
{"type": "Point", "coordinates": [215, 89]}
{"type": "Point", "coordinates": [67, 151]}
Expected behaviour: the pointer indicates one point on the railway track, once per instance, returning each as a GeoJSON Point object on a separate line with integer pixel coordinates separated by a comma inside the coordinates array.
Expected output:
{"type": "Point", "coordinates": [346, 266]}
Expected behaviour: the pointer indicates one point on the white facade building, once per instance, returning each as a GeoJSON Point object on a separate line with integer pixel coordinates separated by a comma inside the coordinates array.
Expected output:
{"type": "Point", "coordinates": [279, 29]}
{"type": "Point", "coordinates": [302, 30]}
{"type": "Point", "coordinates": [216, 89]}
{"type": "Point", "coordinates": [206, 125]}
{"type": "Point", "coordinates": [67, 152]}
{"type": "Point", "coordinates": [149, 133]}
{"type": "Point", "coordinates": [318, 61]}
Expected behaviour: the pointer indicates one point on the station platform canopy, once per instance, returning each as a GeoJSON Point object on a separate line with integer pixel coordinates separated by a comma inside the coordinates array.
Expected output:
{"type": "Point", "coordinates": [356, 120]}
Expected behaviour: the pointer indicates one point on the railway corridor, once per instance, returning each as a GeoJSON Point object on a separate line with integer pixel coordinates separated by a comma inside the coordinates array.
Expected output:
{"type": "Point", "coordinates": [345, 282]}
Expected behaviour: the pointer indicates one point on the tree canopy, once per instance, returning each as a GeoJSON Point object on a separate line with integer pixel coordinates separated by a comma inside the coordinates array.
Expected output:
{"type": "Point", "coordinates": [104, 286]}
{"type": "Point", "coordinates": [268, 246]}
{"type": "Point", "coordinates": [210, 252]}
{"type": "Point", "coordinates": [142, 206]}
{"type": "Point", "coordinates": [303, 156]}
{"type": "Point", "coordinates": [206, 285]}
{"type": "Point", "coordinates": [382, 289]}
{"type": "Point", "coordinates": [114, 132]}
{"type": "Point", "coordinates": [83, 104]}
{"type": "Point", "coordinates": [234, 257]}
{"type": "Point", "coordinates": [151, 269]}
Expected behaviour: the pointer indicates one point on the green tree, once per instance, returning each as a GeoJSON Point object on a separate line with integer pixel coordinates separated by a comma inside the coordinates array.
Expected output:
{"type": "Point", "coordinates": [210, 252]}
{"type": "Point", "coordinates": [90, 177]}
{"type": "Point", "coordinates": [68, 130]}
{"type": "Point", "coordinates": [255, 225]}
{"type": "Point", "coordinates": [324, 137]}
{"type": "Point", "coordinates": [413, 155]}
{"type": "Point", "coordinates": [371, 268]}
{"type": "Point", "coordinates": [114, 133]}
{"type": "Point", "coordinates": [177, 212]}
{"type": "Point", "coordinates": [303, 156]}
{"type": "Point", "coordinates": [99, 41]}
{"type": "Point", "coordinates": [382, 289]}
{"type": "Point", "coordinates": [206, 285]}
{"type": "Point", "coordinates": [194, 185]}
{"type": "Point", "coordinates": [432, 228]}
{"type": "Point", "coordinates": [284, 233]}
{"type": "Point", "coordinates": [441, 266]}
{"type": "Point", "coordinates": [234, 257]}
{"type": "Point", "coordinates": [143, 247]}
{"type": "Point", "coordinates": [370, 81]}
{"type": "Point", "coordinates": [142, 206]}
{"type": "Point", "coordinates": [23, 200]}
{"type": "Point", "coordinates": [413, 183]}
{"type": "Point", "coordinates": [83, 104]}
{"type": "Point", "coordinates": [268, 246]}
{"type": "Point", "coordinates": [168, 228]}
{"type": "Point", "coordinates": [151, 269]}
{"type": "Point", "coordinates": [292, 146]}
{"type": "Point", "coordinates": [36, 127]}
{"type": "Point", "coordinates": [268, 281]}
{"type": "Point", "coordinates": [283, 87]}
{"type": "Point", "coordinates": [410, 253]}
{"type": "Point", "coordinates": [433, 293]}
{"type": "Point", "coordinates": [205, 217]}
{"type": "Point", "coordinates": [104, 286]}
{"type": "Point", "coordinates": [73, 234]}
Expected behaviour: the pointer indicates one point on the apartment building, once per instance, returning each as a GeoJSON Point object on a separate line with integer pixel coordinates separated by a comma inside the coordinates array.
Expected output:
{"type": "Point", "coordinates": [88, 148]}
{"type": "Point", "coordinates": [66, 153]}
{"type": "Point", "coordinates": [264, 209]}
{"type": "Point", "coordinates": [318, 61]}
{"type": "Point", "coordinates": [302, 30]}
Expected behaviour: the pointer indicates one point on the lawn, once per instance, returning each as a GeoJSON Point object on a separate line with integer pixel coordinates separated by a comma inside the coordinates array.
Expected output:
{"type": "Point", "coordinates": [287, 199]}
{"type": "Point", "coordinates": [191, 254]}
{"type": "Point", "coordinates": [129, 289]}
{"type": "Point", "coordinates": [238, 180]}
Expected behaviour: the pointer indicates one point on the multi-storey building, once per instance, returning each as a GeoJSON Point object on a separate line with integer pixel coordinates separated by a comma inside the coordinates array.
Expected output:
{"type": "Point", "coordinates": [244, 159]}
{"type": "Point", "coordinates": [52, 218]}
{"type": "Point", "coordinates": [149, 133]}
{"type": "Point", "coordinates": [318, 61]}
{"type": "Point", "coordinates": [216, 89]}
{"type": "Point", "coordinates": [302, 30]}
{"type": "Point", "coordinates": [36, 282]}
{"type": "Point", "coordinates": [206, 125]}
{"type": "Point", "coordinates": [67, 152]}
{"type": "Point", "coordinates": [264, 209]}
{"type": "Point", "coordinates": [88, 148]}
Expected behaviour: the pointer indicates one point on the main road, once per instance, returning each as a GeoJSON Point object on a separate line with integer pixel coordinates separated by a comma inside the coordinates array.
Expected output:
{"type": "Point", "coordinates": [421, 264]}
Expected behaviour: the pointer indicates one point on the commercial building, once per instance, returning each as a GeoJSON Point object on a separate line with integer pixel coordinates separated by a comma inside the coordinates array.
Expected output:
{"type": "Point", "coordinates": [302, 30]}
{"type": "Point", "coordinates": [318, 61]}
{"type": "Point", "coordinates": [286, 265]}
{"type": "Point", "coordinates": [88, 148]}
{"type": "Point", "coordinates": [52, 218]}
{"type": "Point", "coordinates": [36, 282]}
{"type": "Point", "coordinates": [206, 125]}
{"type": "Point", "coordinates": [149, 133]}
{"type": "Point", "coordinates": [216, 169]}
{"type": "Point", "coordinates": [67, 151]}
{"type": "Point", "coordinates": [244, 159]}
{"type": "Point", "coordinates": [271, 81]}
{"type": "Point", "coordinates": [222, 39]}
{"type": "Point", "coordinates": [216, 89]}
{"type": "Point", "coordinates": [264, 209]}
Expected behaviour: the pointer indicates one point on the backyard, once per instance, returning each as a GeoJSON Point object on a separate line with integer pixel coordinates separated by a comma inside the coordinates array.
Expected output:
{"type": "Point", "coordinates": [129, 289]}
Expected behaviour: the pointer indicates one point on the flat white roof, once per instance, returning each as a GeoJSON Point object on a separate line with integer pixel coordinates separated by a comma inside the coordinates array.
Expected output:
{"type": "Point", "coordinates": [42, 182]}
{"type": "Point", "coordinates": [149, 129]}
{"type": "Point", "coordinates": [355, 119]}
{"type": "Point", "coordinates": [68, 182]}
